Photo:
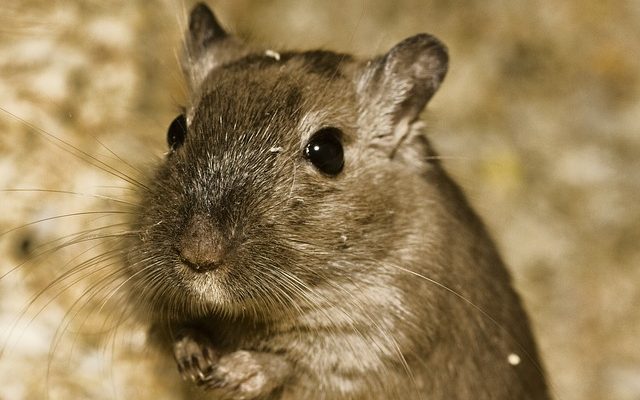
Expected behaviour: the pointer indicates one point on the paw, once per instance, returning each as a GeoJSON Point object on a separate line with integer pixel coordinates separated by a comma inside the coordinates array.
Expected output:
{"type": "Point", "coordinates": [243, 375]}
{"type": "Point", "coordinates": [195, 356]}
{"type": "Point", "coordinates": [240, 375]}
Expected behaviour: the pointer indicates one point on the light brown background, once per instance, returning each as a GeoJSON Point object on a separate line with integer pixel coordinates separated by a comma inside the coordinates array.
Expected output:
{"type": "Point", "coordinates": [539, 119]}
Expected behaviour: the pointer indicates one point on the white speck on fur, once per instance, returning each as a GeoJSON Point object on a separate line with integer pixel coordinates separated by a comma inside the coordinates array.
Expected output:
{"type": "Point", "coordinates": [514, 359]}
{"type": "Point", "coordinates": [273, 54]}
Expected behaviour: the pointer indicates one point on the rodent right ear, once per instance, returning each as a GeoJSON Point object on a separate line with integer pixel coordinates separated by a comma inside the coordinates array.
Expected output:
{"type": "Point", "coordinates": [395, 88]}
{"type": "Point", "coordinates": [207, 45]}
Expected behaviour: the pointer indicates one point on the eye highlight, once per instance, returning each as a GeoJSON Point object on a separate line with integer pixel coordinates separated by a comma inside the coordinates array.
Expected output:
{"type": "Point", "coordinates": [177, 132]}
{"type": "Point", "coordinates": [325, 151]}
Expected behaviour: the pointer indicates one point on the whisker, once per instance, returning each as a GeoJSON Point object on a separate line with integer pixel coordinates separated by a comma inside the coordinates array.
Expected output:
{"type": "Point", "coordinates": [77, 152]}
{"type": "Point", "coordinates": [123, 161]}
{"type": "Point", "coordinates": [91, 195]}
{"type": "Point", "coordinates": [75, 239]}
{"type": "Point", "coordinates": [89, 264]}
{"type": "Point", "coordinates": [484, 313]}
{"type": "Point", "coordinates": [55, 217]}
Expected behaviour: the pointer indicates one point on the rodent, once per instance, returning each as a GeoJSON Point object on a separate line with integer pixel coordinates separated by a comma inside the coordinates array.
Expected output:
{"type": "Point", "coordinates": [301, 239]}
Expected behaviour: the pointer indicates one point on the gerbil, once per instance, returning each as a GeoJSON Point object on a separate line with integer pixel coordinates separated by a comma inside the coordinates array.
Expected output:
{"type": "Point", "coordinates": [301, 239]}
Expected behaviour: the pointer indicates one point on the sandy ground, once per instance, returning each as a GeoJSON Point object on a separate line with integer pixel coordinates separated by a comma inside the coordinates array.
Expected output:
{"type": "Point", "coordinates": [539, 119]}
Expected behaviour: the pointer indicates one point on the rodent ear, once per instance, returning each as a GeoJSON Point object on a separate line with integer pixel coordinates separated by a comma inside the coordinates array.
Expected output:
{"type": "Point", "coordinates": [207, 45]}
{"type": "Point", "coordinates": [398, 85]}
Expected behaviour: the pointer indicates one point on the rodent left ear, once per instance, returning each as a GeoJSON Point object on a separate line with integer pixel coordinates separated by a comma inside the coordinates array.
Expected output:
{"type": "Point", "coordinates": [400, 83]}
{"type": "Point", "coordinates": [207, 45]}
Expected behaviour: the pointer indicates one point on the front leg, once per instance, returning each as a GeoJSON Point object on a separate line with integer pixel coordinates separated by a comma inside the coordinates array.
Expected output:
{"type": "Point", "coordinates": [239, 375]}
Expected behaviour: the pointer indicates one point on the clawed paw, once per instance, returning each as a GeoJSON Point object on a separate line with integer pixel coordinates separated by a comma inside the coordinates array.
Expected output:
{"type": "Point", "coordinates": [196, 358]}
{"type": "Point", "coordinates": [239, 375]}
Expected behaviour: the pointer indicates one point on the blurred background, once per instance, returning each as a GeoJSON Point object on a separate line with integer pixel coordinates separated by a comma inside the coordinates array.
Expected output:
{"type": "Point", "coordinates": [538, 119]}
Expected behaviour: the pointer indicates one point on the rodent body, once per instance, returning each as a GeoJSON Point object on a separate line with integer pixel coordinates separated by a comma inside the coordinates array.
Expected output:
{"type": "Point", "coordinates": [268, 273]}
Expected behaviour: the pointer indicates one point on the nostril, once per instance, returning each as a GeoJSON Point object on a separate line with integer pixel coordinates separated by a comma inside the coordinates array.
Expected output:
{"type": "Point", "coordinates": [198, 267]}
{"type": "Point", "coordinates": [201, 256]}
{"type": "Point", "coordinates": [201, 246]}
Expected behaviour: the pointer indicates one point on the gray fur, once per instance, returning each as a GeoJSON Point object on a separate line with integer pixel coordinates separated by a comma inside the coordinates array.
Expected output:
{"type": "Point", "coordinates": [378, 283]}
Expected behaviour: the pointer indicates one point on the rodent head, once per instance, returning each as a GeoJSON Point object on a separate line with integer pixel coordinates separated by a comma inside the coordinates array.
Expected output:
{"type": "Point", "coordinates": [285, 174]}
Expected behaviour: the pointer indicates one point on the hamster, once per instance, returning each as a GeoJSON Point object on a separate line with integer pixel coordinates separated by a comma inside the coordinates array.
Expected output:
{"type": "Point", "coordinates": [301, 239]}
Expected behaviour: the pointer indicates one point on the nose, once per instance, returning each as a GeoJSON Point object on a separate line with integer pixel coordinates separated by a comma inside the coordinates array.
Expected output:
{"type": "Point", "coordinates": [201, 245]}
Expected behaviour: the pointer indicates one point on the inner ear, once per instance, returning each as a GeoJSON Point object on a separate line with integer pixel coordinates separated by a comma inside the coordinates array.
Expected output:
{"type": "Point", "coordinates": [413, 71]}
{"type": "Point", "coordinates": [397, 86]}
{"type": "Point", "coordinates": [204, 27]}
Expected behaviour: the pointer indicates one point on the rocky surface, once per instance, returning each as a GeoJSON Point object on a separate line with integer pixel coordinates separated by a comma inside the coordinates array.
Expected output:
{"type": "Point", "coordinates": [539, 119]}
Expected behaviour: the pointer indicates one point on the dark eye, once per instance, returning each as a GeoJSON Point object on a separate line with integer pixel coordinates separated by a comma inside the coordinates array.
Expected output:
{"type": "Point", "coordinates": [177, 132]}
{"type": "Point", "coordinates": [324, 150]}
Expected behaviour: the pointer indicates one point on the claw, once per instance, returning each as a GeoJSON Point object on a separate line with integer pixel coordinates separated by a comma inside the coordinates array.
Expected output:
{"type": "Point", "coordinates": [194, 356]}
